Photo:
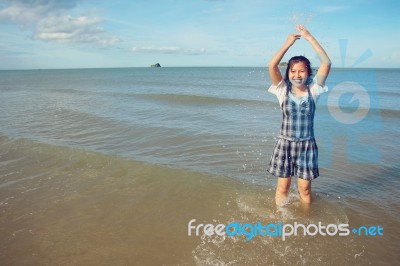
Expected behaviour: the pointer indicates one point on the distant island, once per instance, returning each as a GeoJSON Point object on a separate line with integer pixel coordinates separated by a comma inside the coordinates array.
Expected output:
{"type": "Point", "coordinates": [156, 65]}
{"type": "Point", "coordinates": [282, 64]}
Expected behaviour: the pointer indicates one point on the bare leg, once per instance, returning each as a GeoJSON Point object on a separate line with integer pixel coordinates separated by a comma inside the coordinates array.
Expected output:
{"type": "Point", "coordinates": [304, 187]}
{"type": "Point", "coordinates": [282, 189]}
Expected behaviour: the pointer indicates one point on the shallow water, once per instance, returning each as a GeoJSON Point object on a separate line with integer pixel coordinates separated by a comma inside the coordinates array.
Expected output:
{"type": "Point", "coordinates": [66, 206]}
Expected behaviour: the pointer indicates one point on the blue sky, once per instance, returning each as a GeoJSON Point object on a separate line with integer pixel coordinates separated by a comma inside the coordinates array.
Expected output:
{"type": "Point", "coordinates": [89, 33]}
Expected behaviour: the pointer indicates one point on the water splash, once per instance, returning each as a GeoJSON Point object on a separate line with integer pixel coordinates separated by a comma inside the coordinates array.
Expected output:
{"type": "Point", "coordinates": [301, 18]}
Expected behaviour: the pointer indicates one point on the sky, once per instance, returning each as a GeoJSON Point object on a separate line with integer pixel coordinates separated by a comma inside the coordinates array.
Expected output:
{"type": "Point", "coordinates": [58, 34]}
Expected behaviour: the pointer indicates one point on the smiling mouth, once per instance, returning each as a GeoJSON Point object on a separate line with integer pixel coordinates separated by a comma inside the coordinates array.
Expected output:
{"type": "Point", "coordinates": [298, 80]}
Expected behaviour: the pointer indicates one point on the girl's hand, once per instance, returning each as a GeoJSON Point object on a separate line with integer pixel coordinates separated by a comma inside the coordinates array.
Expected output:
{"type": "Point", "coordinates": [304, 32]}
{"type": "Point", "coordinates": [292, 38]}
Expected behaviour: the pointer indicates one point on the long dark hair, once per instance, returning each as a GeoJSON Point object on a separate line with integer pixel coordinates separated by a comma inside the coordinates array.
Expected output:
{"type": "Point", "coordinates": [294, 60]}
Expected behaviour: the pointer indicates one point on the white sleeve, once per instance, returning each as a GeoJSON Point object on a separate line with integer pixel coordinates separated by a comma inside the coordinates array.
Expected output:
{"type": "Point", "coordinates": [316, 90]}
{"type": "Point", "coordinates": [279, 90]}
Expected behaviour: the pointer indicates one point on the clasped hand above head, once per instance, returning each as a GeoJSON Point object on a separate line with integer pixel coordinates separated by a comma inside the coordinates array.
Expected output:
{"type": "Point", "coordinates": [303, 32]}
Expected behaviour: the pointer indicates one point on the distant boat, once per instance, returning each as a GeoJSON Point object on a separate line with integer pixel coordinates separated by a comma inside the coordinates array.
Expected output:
{"type": "Point", "coordinates": [156, 65]}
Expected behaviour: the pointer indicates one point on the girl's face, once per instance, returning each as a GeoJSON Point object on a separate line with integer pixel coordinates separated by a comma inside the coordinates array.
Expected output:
{"type": "Point", "coordinates": [298, 74]}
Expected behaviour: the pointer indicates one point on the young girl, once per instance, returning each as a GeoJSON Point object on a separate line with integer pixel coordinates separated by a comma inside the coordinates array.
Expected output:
{"type": "Point", "coordinates": [296, 153]}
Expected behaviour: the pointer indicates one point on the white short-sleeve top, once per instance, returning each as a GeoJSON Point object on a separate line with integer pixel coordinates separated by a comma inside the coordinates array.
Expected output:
{"type": "Point", "coordinates": [280, 90]}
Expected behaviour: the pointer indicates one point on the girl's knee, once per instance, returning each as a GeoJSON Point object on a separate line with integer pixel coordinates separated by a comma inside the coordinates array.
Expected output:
{"type": "Point", "coordinates": [304, 186]}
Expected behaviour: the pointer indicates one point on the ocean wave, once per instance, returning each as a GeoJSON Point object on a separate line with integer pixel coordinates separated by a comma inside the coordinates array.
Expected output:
{"type": "Point", "coordinates": [201, 99]}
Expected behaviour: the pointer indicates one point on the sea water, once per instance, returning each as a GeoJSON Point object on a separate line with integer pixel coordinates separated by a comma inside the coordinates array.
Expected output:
{"type": "Point", "coordinates": [90, 155]}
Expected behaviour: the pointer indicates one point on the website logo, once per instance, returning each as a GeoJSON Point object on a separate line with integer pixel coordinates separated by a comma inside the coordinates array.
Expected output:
{"type": "Point", "coordinates": [279, 229]}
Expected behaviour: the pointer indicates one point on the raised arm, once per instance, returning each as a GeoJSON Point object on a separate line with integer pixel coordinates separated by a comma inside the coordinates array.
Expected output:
{"type": "Point", "coordinates": [325, 65]}
{"type": "Point", "coordinates": [274, 72]}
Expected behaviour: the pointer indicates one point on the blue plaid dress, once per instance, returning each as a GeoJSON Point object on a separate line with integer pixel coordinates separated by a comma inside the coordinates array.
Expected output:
{"type": "Point", "coordinates": [296, 152]}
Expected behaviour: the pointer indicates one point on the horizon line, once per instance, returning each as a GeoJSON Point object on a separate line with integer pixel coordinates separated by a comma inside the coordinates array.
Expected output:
{"type": "Point", "coordinates": [87, 68]}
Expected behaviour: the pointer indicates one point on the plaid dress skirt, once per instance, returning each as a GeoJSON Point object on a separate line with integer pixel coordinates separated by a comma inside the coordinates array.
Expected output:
{"type": "Point", "coordinates": [295, 158]}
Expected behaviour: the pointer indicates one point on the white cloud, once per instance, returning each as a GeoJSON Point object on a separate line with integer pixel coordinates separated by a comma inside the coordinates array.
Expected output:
{"type": "Point", "coordinates": [81, 29]}
{"type": "Point", "coordinates": [48, 20]}
{"type": "Point", "coordinates": [31, 11]}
